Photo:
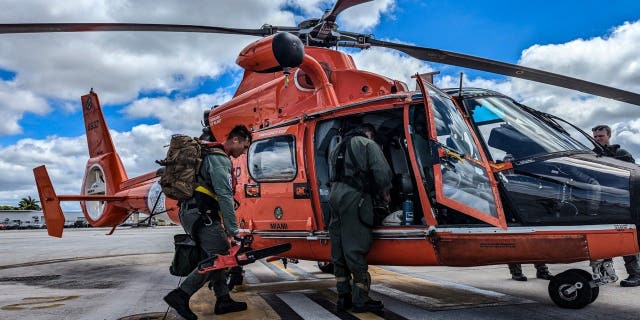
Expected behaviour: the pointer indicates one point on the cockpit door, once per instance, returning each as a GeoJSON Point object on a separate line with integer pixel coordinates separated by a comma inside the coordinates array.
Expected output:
{"type": "Point", "coordinates": [462, 175]}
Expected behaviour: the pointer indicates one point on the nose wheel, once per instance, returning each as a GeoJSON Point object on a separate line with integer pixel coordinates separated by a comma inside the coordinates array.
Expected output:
{"type": "Point", "coordinates": [573, 289]}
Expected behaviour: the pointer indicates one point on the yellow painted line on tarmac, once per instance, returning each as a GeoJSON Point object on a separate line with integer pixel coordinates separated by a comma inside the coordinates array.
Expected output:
{"type": "Point", "coordinates": [366, 316]}
{"type": "Point", "coordinates": [39, 303]}
{"type": "Point", "coordinates": [203, 302]}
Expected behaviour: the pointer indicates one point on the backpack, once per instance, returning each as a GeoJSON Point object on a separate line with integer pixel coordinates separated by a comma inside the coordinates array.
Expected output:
{"type": "Point", "coordinates": [182, 165]}
{"type": "Point", "coordinates": [187, 255]}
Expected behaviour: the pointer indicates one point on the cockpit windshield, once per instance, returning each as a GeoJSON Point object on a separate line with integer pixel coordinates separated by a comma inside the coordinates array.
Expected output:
{"type": "Point", "coordinates": [512, 133]}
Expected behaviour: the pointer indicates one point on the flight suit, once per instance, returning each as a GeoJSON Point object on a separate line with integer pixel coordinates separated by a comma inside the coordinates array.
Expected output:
{"type": "Point", "coordinates": [203, 217]}
{"type": "Point", "coordinates": [210, 235]}
{"type": "Point", "coordinates": [352, 216]}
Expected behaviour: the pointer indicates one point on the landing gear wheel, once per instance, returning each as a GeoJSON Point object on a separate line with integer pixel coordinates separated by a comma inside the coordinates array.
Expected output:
{"type": "Point", "coordinates": [571, 290]}
{"type": "Point", "coordinates": [594, 291]}
{"type": "Point", "coordinates": [326, 267]}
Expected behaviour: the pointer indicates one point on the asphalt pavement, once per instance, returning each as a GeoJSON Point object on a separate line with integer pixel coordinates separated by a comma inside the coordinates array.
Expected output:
{"type": "Point", "coordinates": [90, 275]}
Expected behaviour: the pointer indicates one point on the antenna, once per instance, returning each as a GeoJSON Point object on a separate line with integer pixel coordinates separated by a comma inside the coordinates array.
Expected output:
{"type": "Point", "coordinates": [460, 88]}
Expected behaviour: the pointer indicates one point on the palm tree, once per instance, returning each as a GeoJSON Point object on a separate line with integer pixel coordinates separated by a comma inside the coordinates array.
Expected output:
{"type": "Point", "coordinates": [29, 203]}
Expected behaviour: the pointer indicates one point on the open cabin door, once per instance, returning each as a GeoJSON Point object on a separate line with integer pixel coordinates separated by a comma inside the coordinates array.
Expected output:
{"type": "Point", "coordinates": [461, 173]}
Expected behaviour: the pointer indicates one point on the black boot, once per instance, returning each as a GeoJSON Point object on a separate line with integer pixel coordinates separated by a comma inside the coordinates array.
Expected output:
{"type": "Point", "coordinates": [542, 272]}
{"type": "Point", "coordinates": [179, 300]}
{"type": "Point", "coordinates": [225, 304]}
{"type": "Point", "coordinates": [632, 281]}
{"type": "Point", "coordinates": [519, 277]}
{"type": "Point", "coordinates": [544, 275]}
{"type": "Point", "coordinates": [360, 290]}
{"type": "Point", "coordinates": [516, 272]}
{"type": "Point", "coordinates": [344, 302]}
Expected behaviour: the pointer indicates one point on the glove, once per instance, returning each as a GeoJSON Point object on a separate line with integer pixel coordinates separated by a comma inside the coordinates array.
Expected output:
{"type": "Point", "coordinates": [236, 239]}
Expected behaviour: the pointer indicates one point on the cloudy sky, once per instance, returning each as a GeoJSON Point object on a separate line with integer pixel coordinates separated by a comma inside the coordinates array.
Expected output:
{"type": "Point", "coordinates": [152, 85]}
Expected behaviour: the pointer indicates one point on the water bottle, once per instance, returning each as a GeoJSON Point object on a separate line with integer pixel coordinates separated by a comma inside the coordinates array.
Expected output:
{"type": "Point", "coordinates": [407, 212]}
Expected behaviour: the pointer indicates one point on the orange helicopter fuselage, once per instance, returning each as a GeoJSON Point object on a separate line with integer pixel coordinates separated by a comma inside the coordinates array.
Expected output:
{"type": "Point", "coordinates": [296, 108]}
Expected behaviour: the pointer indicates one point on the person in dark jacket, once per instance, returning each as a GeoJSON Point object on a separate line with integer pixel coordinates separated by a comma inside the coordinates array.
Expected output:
{"type": "Point", "coordinates": [602, 135]}
{"type": "Point", "coordinates": [201, 216]}
{"type": "Point", "coordinates": [359, 174]}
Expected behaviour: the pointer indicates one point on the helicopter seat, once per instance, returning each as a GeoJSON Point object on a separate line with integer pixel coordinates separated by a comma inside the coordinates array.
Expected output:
{"type": "Point", "coordinates": [513, 142]}
{"type": "Point", "coordinates": [335, 140]}
{"type": "Point", "coordinates": [402, 182]}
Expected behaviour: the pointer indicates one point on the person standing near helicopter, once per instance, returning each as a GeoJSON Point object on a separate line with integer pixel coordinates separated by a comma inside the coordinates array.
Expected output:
{"type": "Point", "coordinates": [602, 135]}
{"type": "Point", "coordinates": [359, 173]}
{"type": "Point", "coordinates": [202, 217]}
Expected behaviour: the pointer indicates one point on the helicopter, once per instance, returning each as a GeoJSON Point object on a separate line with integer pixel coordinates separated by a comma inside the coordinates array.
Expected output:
{"type": "Point", "coordinates": [491, 181]}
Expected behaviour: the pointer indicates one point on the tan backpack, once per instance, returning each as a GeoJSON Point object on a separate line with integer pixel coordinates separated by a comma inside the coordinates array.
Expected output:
{"type": "Point", "coordinates": [182, 165]}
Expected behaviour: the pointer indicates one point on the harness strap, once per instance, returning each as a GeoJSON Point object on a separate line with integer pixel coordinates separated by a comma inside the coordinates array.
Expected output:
{"type": "Point", "coordinates": [203, 189]}
{"type": "Point", "coordinates": [360, 179]}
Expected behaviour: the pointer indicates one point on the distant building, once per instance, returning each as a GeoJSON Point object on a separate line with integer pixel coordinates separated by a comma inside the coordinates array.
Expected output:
{"type": "Point", "coordinates": [34, 216]}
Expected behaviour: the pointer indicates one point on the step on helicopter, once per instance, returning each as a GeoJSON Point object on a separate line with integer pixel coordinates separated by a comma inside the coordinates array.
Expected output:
{"type": "Point", "coordinates": [491, 181]}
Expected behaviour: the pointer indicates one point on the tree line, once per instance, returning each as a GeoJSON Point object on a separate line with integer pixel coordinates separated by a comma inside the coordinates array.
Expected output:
{"type": "Point", "coordinates": [27, 203]}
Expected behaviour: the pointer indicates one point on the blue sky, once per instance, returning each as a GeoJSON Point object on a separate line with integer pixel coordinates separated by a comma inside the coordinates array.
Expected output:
{"type": "Point", "coordinates": [153, 85]}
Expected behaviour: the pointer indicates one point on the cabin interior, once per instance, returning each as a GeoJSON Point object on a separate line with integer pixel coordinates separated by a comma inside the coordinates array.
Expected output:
{"type": "Point", "coordinates": [390, 136]}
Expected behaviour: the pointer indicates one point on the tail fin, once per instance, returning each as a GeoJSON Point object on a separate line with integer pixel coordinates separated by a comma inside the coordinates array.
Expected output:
{"type": "Point", "coordinates": [98, 136]}
{"type": "Point", "coordinates": [104, 171]}
{"type": "Point", "coordinates": [53, 216]}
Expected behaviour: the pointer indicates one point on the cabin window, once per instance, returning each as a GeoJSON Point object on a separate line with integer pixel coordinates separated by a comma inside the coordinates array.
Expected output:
{"type": "Point", "coordinates": [273, 159]}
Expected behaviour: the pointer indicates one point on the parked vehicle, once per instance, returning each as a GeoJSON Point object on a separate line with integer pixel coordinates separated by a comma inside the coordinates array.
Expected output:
{"type": "Point", "coordinates": [14, 224]}
{"type": "Point", "coordinates": [37, 225]}
{"type": "Point", "coordinates": [81, 222]}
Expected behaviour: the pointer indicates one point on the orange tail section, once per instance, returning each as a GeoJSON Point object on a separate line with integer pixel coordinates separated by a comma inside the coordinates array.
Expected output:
{"type": "Point", "coordinates": [50, 204]}
{"type": "Point", "coordinates": [100, 201]}
{"type": "Point", "coordinates": [53, 215]}
{"type": "Point", "coordinates": [107, 196]}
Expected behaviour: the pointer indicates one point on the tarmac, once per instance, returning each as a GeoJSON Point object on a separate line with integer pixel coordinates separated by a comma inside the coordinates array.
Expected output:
{"type": "Point", "coordinates": [89, 275]}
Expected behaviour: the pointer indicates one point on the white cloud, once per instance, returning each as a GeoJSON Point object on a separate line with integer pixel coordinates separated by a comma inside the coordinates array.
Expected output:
{"type": "Point", "coordinates": [14, 102]}
{"type": "Point", "coordinates": [364, 17]}
{"type": "Point", "coordinates": [390, 63]}
{"type": "Point", "coordinates": [180, 115]}
{"type": "Point", "coordinates": [359, 18]}
{"type": "Point", "coordinates": [611, 60]}
{"type": "Point", "coordinates": [63, 156]}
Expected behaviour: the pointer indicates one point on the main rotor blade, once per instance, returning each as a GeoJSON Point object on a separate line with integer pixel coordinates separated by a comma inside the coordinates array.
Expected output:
{"type": "Point", "coordinates": [512, 70]}
{"type": "Point", "coordinates": [83, 27]}
{"type": "Point", "coordinates": [340, 6]}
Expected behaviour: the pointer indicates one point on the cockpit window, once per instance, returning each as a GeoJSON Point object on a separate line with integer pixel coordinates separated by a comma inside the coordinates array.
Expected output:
{"type": "Point", "coordinates": [513, 134]}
